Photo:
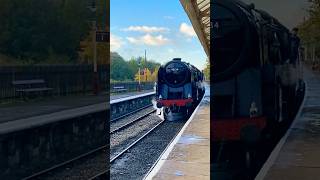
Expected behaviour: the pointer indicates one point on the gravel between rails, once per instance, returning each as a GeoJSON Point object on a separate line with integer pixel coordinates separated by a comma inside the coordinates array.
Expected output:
{"type": "Point", "coordinates": [121, 139]}
{"type": "Point", "coordinates": [124, 120]}
{"type": "Point", "coordinates": [80, 169]}
{"type": "Point", "coordinates": [136, 163]}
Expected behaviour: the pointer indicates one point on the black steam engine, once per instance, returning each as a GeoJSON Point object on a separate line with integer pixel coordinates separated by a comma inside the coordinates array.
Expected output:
{"type": "Point", "coordinates": [179, 88]}
{"type": "Point", "coordinates": [256, 78]}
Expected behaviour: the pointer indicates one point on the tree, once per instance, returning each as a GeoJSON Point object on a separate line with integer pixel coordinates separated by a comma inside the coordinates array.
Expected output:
{"type": "Point", "coordinates": [309, 30]}
{"type": "Point", "coordinates": [154, 75]}
{"type": "Point", "coordinates": [35, 30]}
{"type": "Point", "coordinates": [145, 76]}
{"type": "Point", "coordinates": [128, 70]}
{"type": "Point", "coordinates": [206, 71]}
{"type": "Point", "coordinates": [119, 68]}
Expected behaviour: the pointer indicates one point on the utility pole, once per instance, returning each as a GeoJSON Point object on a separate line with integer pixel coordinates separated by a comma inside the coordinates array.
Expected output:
{"type": "Point", "coordinates": [139, 76]}
{"type": "Point", "coordinates": [145, 65]}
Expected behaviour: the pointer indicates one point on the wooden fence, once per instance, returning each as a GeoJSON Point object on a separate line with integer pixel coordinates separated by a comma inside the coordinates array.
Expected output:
{"type": "Point", "coordinates": [64, 79]}
{"type": "Point", "coordinates": [132, 86]}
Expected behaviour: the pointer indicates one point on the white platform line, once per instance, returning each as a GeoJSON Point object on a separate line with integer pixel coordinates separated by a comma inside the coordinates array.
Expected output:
{"type": "Point", "coordinates": [130, 97]}
{"type": "Point", "coordinates": [40, 120]}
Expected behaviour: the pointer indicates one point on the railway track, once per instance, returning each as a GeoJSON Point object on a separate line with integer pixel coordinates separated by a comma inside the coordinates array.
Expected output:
{"type": "Point", "coordinates": [126, 159]}
{"type": "Point", "coordinates": [38, 175]}
{"type": "Point", "coordinates": [135, 142]}
{"type": "Point", "coordinates": [132, 121]}
{"type": "Point", "coordinates": [103, 174]}
{"type": "Point", "coordinates": [130, 113]}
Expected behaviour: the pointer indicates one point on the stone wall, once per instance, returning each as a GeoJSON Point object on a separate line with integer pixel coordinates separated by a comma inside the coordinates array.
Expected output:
{"type": "Point", "coordinates": [27, 151]}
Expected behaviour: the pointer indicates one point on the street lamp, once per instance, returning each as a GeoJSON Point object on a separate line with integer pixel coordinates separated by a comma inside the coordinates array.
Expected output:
{"type": "Point", "coordinates": [92, 8]}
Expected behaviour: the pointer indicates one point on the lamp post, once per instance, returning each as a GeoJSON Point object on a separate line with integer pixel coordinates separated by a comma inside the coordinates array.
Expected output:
{"type": "Point", "coordinates": [92, 7]}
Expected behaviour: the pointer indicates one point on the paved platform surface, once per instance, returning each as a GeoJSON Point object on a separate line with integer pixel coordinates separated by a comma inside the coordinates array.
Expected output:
{"type": "Point", "coordinates": [189, 158]}
{"type": "Point", "coordinates": [21, 110]}
{"type": "Point", "coordinates": [297, 156]}
{"type": "Point", "coordinates": [124, 95]}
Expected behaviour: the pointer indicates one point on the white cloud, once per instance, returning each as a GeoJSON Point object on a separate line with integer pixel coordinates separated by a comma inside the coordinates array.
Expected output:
{"type": "Point", "coordinates": [115, 42]}
{"type": "Point", "coordinates": [170, 50]}
{"type": "Point", "coordinates": [187, 30]}
{"type": "Point", "coordinates": [146, 29]}
{"type": "Point", "coordinates": [168, 17]}
{"type": "Point", "coordinates": [149, 40]}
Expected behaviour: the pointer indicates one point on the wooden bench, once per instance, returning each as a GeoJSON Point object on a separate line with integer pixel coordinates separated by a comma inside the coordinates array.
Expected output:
{"type": "Point", "coordinates": [26, 88]}
{"type": "Point", "coordinates": [119, 89]}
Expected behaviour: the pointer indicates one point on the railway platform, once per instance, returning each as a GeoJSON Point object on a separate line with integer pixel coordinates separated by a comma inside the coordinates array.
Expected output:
{"type": "Point", "coordinates": [128, 94]}
{"type": "Point", "coordinates": [49, 131]}
{"type": "Point", "coordinates": [20, 110]}
{"type": "Point", "coordinates": [297, 155]}
{"type": "Point", "coordinates": [188, 155]}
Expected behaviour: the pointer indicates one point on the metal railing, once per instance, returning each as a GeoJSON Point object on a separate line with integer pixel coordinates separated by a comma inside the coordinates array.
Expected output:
{"type": "Point", "coordinates": [131, 86]}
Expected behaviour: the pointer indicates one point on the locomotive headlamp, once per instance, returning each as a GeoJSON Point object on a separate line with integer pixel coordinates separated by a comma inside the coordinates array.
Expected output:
{"type": "Point", "coordinates": [253, 110]}
{"type": "Point", "coordinates": [160, 97]}
{"type": "Point", "coordinates": [189, 96]}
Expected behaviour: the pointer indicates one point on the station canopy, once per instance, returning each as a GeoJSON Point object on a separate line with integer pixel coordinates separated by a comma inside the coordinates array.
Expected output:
{"type": "Point", "coordinates": [199, 14]}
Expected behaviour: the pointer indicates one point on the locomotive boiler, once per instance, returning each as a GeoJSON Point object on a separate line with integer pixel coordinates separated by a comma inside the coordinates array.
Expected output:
{"type": "Point", "coordinates": [255, 77]}
{"type": "Point", "coordinates": [179, 88]}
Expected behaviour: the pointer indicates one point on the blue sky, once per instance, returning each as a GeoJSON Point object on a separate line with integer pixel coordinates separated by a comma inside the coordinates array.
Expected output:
{"type": "Point", "coordinates": [160, 26]}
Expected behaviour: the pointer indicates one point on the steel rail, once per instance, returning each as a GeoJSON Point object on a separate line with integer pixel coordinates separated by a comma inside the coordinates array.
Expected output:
{"type": "Point", "coordinates": [128, 114]}
{"type": "Point", "coordinates": [131, 122]}
{"type": "Point", "coordinates": [134, 143]}
{"type": "Point", "coordinates": [40, 173]}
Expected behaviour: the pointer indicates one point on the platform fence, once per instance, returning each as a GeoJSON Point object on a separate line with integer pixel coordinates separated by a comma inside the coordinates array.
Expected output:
{"type": "Point", "coordinates": [63, 79]}
{"type": "Point", "coordinates": [131, 86]}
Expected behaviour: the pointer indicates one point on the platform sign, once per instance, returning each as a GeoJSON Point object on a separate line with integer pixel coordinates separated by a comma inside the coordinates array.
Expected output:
{"type": "Point", "coordinates": [102, 36]}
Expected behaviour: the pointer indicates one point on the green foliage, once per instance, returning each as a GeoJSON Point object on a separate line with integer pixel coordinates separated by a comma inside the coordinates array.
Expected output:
{"type": "Point", "coordinates": [309, 30]}
{"type": "Point", "coordinates": [36, 29]}
{"type": "Point", "coordinates": [206, 70]}
{"type": "Point", "coordinates": [119, 68]}
{"type": "Point", "coordinates": [122, 70]}
{"type": "Point", "coordinates": [102, 13]}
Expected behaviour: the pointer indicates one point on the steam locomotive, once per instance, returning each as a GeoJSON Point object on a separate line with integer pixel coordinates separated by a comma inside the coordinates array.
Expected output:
{"type": "Point", "coordinates": [255, 77]}
{"type": "Point", "coordinates": [179, 89]}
